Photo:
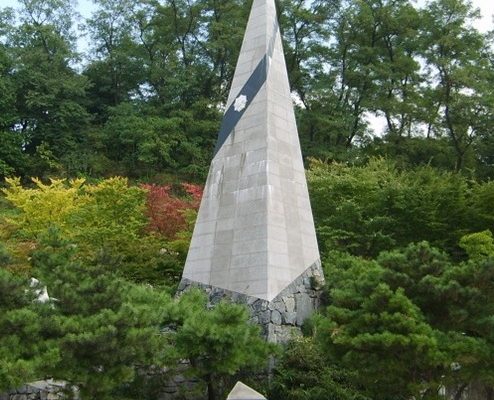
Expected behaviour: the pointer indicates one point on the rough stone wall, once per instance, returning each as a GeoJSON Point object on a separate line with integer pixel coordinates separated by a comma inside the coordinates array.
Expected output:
{"type": "Point", "coordinates": [474, 391]}
{"type": "Point", "coordinates": [282, 317]}
{"type": "Point", "coordinates": [41, 390]}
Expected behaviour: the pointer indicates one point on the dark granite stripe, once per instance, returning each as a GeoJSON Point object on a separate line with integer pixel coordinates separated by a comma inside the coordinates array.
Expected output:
{"type": "Point", "coordinates": [249, 90]}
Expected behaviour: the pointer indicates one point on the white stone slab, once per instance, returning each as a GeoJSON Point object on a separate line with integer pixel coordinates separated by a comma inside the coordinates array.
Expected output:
{"type": "Point", "coordinates": [244, 392]}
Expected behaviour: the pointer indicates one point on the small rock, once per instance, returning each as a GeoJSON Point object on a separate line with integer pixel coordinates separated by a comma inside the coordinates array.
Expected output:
{"type": "Point", "coordinates": [290, 318]}
{"type": "Point", "coordinates": [23, 389]}
{"type": "Point", "coordinates": [260, 305]}
{"type": "Point", "coordinates": [276, 317]}
{"type": "Point", "coordinates": [304, 307]}
{"type": "Point", "coordinates": [289, 304]}
{"type": "Point", "coordinates": [265, 317]}
{"type": "Point", "coordinates": [280, 306]}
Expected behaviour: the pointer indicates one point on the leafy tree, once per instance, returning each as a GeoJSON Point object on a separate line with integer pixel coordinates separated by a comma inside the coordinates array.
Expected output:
{"type": "Point", "coordinates": [11, 155]}
{"type": "Point", "coordinates": [411, 152]}
{"type": "Point", "coordinates": [306, 28]}
{"type": "Point", "coordinates": [481, 206]}
{"type": "Point", "coordinates": [218, 341]}
{"type": "Point", "coordinates": [12, 159]}
{"type": "Point", "coordinates": [325, 118]}
{"type": "Point", "coordinates": [457, 58]}
{"type": "Point", "coordinates": [49, 113]}
{"type": "Point", "coordinates": [375, 207]}
{"type": "Point", "coordinates": [224, 24]}
{"type": "Point", "coordinates": [375, 49]}
{"type": "Point", "coordinates": [109, 216]}
{"type": "Point", "coordinates": [43, 206]}
{"type": "Point", "coordinates": [115, 71]}
{"type": "Point", "coordinates": [140, 142]}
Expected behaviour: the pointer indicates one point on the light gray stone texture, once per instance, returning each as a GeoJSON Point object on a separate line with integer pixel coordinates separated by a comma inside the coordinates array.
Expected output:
{"type": "Point", "coordinates": [255, 233]}
{"type": "Point", "coordinates": [244, 392]}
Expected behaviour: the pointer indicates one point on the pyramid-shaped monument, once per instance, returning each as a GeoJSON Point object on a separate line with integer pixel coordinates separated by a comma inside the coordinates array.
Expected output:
{"type": "Point", "coordinates": [255, 233]}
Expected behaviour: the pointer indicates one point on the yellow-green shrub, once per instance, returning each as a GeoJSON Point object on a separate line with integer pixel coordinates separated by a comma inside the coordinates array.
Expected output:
{"type": "Point", "coordinates": [45, 205]}
{"type": "Point", "coordinates": [105, 218]}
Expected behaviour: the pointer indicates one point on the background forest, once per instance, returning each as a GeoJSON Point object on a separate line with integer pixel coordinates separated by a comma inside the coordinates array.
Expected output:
{"type": "Point", "coordinates": [118, 141]}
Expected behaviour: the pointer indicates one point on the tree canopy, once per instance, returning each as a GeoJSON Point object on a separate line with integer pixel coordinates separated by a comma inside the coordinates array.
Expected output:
{"type": "Point", "coordinates": [145, 95]}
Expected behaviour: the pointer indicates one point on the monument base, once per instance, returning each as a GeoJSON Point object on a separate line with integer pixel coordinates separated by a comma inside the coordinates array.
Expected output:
{"type": "Point", "coordinates": [281, 318]}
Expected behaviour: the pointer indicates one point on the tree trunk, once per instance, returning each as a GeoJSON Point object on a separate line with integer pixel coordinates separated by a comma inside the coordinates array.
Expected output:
{"type": "Point", "coordinates": [211, 389]}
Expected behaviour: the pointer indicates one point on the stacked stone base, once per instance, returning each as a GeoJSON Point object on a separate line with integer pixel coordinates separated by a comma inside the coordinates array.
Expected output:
{"type": "Point", "coordinates": [281, 318]}
{"type": "Point", "coordinates": [41, 390]}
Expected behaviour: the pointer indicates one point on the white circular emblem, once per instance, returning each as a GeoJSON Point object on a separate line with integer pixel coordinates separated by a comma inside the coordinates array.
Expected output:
{"type": "Point", "coordinates": [240, 103]}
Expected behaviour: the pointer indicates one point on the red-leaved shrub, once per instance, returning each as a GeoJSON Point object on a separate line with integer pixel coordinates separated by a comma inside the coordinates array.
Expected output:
{"type": "Point", "coordinates": [166, 211]}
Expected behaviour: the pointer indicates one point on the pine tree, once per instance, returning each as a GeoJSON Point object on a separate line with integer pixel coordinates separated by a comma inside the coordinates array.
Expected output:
{"type": "Point", "coordinates": [25, 351]}
{"type": "Point", "coordinates": [106, 328]}
{"type": "Point", "coordinates": [218, 341]}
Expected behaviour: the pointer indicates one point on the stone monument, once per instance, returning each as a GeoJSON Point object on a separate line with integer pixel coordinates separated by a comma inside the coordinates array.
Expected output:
{"type": "Point", "coordinates": [243, 392]}
{"type": "Point", "coordinates": [254, 240]}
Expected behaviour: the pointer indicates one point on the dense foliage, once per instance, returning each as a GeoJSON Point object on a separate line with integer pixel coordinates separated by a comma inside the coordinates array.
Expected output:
{"type": "Point", "coordinates": [148, 96]}
{"type": "Point", "coordinates": [404, 216]}
{"type": "Point", "coordinates": [367, 209]}
{"type": "Point", "coordinates": [147, 228]}
{"type": "Point", "coordinates": [103, 333]}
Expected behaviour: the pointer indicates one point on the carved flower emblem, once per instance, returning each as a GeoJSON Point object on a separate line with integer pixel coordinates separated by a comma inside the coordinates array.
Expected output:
{"type": "Point", "coordinates": [240, 103]}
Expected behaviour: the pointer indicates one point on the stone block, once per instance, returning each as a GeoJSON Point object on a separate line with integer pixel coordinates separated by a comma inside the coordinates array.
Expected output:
{"type": "Point", "coordinates": [304, 307]}
{"type": "Point", "coordinates": [290, 318]}
{"type": "Point", "coordinates": [23, 390]}
{"type": "Point", "coordinates": [276, 317]}
{"type": "Point", "coordinates": [289, 304]}
{"type": "Point", "coordinates": [265, 317]}
{"type": "Point", "coordinates": [278, 305]}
